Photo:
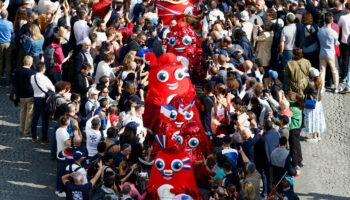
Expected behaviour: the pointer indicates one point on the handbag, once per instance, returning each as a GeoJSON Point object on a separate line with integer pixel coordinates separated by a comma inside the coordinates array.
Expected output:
{"type": "Point", "coordinates": [311, 103]}
{"type": "Point", "coordinates": [13, 96]}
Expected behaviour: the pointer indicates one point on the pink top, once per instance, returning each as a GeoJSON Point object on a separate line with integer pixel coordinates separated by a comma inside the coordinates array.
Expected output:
{"type": "Point", "coordinates": [58, 57]}
{"type": "Point", "coordinates": [134, 191]}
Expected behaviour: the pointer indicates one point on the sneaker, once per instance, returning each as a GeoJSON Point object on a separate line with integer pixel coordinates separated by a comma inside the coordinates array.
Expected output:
{"type": "Point", "coordinates": [323, 90]}
{"type": "Point", "coordinates": [35, 139]}
{"type": "Point", "coordinates": [314, 140]}
{"type": "Point", "coordinates": [61, 194]}
{"type": "Point", "coordinates": [337, 90]}
{"type": "Point", "coordinates": [301, 164]}
{"type": "Point", "coordinates": [319, 138]}
{"type": "Point", "coordinates": [56, 192]}
{"type": "Point", "coordinates": [45, 141]}
{"type": "Point", "coordinates": [344, 91]}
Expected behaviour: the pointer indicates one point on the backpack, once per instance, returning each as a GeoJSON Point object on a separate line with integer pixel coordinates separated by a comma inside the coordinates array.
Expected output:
{"type": "Point", "coordinates": [70, 169]}
{"type": "Point", "coordinates": [49, 58]}
{"type": "Point", "coordinates": [51, 109]}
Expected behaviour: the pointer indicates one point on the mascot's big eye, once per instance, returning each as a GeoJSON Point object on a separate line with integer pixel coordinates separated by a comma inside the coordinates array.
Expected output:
{"type": "Point", "coordinates": [172, 41]}
{"type": "Point", "coordinates": [173, 115]}
{"type": "Point", "coordinates": [188, 115]}
{"type": "Point", "coordinates": [176, 165]}
{"type": "Point", "coordinates": [179, 74]}
{"type": "Point", "coordinates": [193, 142]}
{"type": "Point", "coordinates": [179, 139]}
{"type": "Point", "coordinates": [160, 164]}
{"type": "Point", "coordinates": [162, 76]}
{"type": "Point", "coordinates": [187, 40]}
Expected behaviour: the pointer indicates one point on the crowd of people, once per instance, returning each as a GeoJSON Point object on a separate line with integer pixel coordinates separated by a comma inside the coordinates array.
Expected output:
{"type": "Point", "coordinates": [78, 65]}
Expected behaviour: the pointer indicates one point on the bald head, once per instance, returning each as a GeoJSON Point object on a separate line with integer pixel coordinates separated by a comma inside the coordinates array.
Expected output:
{"type": "Point", "coordinates": [215, 35]}
{"type": "Point", "coordinates": [247, 65]}
{"type": "Point", "coordinates": [246, 133]}
{"type": "Point", "coordinates": [4, 14]}
{"type": "Point", "coordinates": [260, 4]}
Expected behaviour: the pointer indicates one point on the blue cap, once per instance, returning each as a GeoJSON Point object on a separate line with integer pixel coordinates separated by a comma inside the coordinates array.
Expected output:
{"type": "Point", "coordinates": [77, 155]}
{"type": "Point", "coordinates": [142, 52]}
{"type": "Point", "coordinates": [289, 179]}
{"type": "Point", "coordinates": [132, 125]}
{"type": "Point", "coordinates": [273, 74]}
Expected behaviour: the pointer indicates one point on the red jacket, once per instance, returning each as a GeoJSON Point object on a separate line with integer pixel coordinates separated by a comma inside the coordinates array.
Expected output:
{"type": "Point", "coordinates": [100, 7]}
{"type": "Point", "coordinates": [58, 57]}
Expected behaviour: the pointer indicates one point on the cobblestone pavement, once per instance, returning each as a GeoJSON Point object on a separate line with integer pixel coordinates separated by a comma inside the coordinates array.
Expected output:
{"type": "Point", "coordinates": [26, 171]}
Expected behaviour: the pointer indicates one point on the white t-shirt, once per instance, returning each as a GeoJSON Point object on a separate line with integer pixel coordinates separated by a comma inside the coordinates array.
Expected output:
{"type": "Point", "coordinates": [81, 170]}
{"type": "Point", "coordinates": [101, 36]}
{"type": "Point", "coordinates": [61, 136]}
{"type": "Point", "coordinates": [141, 131]}
{"type": "Point", "coordinates": [93, 137]}
{"type": "Point", "coordinates": [248, 29]}
{"type": "Point", "coordinates": [344, 23]}
{"type": "Point", "coordinates": [103, 69]}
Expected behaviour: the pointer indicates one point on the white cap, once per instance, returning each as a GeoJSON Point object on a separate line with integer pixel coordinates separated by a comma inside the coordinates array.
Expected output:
{"type": "Point", "coordinates": [93, 91]}
{"type": "Point", "coordinates": [87, 41]}
{"type": "Point", "coordinates": [244, 16]}
{"type": "Point", "coordinates": [29, 1]}
{"type": "Point", "coordinates": [314, 72]}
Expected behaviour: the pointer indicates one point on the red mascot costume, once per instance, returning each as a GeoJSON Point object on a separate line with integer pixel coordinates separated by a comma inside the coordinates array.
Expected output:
{"type": "Point", "coordinates": [168, 9]}
{"type": "Point", "coordinates": [183, 41]}
{"type": "Point", "coordinates": [167, 78]}
{"type": "Point", "coordinates": [172, 173]}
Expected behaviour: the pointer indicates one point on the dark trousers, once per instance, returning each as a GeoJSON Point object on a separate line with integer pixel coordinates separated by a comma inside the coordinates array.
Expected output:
{"type": "Point", "coordinates": [295, 148]}
{"type": "Point", "coordinates": [39, 110]}
{"type": "Point", "coordinates": [267, 179]}
{"type": "Point", "coordinates": [61, 167]}
{"type": "Point", "coordinates": [345, 53]}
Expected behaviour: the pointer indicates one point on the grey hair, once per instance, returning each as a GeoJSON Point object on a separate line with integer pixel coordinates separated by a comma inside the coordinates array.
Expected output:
{"type": "Point", "coordinates": [70, 108]}
{"type": "Point", "coordinates": [77, 177]}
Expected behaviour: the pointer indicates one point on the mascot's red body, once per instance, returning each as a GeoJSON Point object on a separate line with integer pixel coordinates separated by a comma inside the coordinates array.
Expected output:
{"type": "Point", "coordinates": [168, 9]}
{"type": "Point", "coordinates": [167, 78]}
{"type": "Point", "coordinates": [172, 173]}
{"type": "Point", "coordinates": [183, 41]}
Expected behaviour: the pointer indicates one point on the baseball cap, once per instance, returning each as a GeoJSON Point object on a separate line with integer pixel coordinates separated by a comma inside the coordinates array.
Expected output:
{"type": "Point", "coordinates": [132, 125]}
{"type": "Point", "coordinates": [244, 15]}
{"type": "Point", "coordinates": [273, 74]}
{"type": "Point", "coordinates": [29, 1]}
{"type": "Point", "coordinates": [77, 155]}
{"type": "Point", "coordinates": [93, 91]}
{"type": "Point", "coordinates": [314, 72]}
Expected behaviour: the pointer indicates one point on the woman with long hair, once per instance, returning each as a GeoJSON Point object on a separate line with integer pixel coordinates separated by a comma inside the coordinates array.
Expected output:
{"type": "Point", "coordinates": [310, 47]}
{"type": "Point", "coordinates": [20, 19]}
{"type": "Point", "coordinates": [33, 46]}
{"type": "Point", "coordinates": [314, 118]}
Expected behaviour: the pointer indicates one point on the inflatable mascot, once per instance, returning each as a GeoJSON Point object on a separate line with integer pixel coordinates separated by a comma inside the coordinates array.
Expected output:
{"type": "Point", "coordinates": [168, 9]}
{"type": "Point", "coordinates": [183, 41]}
{"type": "Point", "coordinates": [172, 173]}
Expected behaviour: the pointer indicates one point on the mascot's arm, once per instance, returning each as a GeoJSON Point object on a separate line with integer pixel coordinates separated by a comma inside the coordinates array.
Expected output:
{"type": "Point", "coordinates": [151, 114]}
{"type": "Point", "coordinates": [152, 192]}
{"type": "Point", "coordinates": [194, 194]}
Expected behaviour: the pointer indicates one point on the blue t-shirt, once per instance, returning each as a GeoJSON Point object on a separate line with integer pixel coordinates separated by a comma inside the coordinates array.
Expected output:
{"type": "Point", "coordinates": [231, 154]}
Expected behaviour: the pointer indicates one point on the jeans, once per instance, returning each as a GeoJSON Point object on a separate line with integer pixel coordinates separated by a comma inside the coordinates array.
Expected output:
{"type": "Point", "coordinates": [264, 180]}
{"type": "Point", "coordinates": [58, 76]}
{"type": "Point", "coordinates": [53, 142]}
{"type": "Point", "coordinates": [26, 114]}
{"type": "Point", "coordinates": [287, 56]}
{"type": "Point", "coordinates": [295, 148]}
{"type": "Point", "coordinates": [5, 53]}
{"type": "Point", "coordinates": [345, 54]}
{"type": "Point", "coordinates": [39, 110]}
{"type": "Point", "coordinates": [348, 79]}
{"type": "Point", "coordinates": [61, 167]}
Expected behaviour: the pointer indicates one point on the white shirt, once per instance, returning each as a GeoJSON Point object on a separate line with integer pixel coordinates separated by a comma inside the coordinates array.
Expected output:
{"type": "Point", "coordinates": [93, 137]}
{"type": "Point", "coordinates": [248, 29]}
{"type": "Point", "coordinates": [81, 31]}
{"type": "Point", "coordinates": [210, 19]}
{"type": "Point", "coordinates": [140, 132]}
{"type": "Point", "coordinates": [81, 170]}
{"type": "Point", "coordinates": [101, 36]}
{"type": "Point", "coordinates": [103, 69]}
{"type": "Point", "coordinates": [43, 82]}
{"type": "Point", "coordinates": [61, 136]}
{"type": "Point", "coordinates": [344, 24]}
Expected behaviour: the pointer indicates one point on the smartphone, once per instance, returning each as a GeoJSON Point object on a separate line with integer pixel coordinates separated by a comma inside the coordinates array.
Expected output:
{"type": "Point", "coordinates": [256, 22]}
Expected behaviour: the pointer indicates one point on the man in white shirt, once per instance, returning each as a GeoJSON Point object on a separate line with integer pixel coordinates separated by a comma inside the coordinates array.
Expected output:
{"type": "Point", "coordinates": [81, 28]}
{"type": "Point", "coordinates": [61, 133]}
{"type": "Point", "coordinates": [104, 69]}
{"type": "Point", "coordinates": [209, 19]}
{"type": "Point", "coordinates": [247, 27]}
{"type": "Point", "coordinates": [344, 24]}
{"type": "Point", "coordinates": [93, 136]}
{"type": "Point", "coordinates": [41, 85]}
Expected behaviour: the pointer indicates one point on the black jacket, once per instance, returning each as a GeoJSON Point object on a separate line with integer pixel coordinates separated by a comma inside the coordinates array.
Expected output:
{"type": "Point", "coordinates": [21, 81]}
{"type": "Point", "coordinates": [80, 85]}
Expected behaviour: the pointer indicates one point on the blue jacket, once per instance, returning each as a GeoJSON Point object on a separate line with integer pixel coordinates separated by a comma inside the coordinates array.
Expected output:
{"type": "Point", "coordinates": [271, 142]}
{"type": "Point", "coordinates": [6, 29]}
{"type": "Point", "coordinates": [33, 47]}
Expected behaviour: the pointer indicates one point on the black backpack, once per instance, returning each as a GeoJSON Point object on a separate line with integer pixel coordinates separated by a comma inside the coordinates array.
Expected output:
{"type": "Point", "coordinates": [52, 110]}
